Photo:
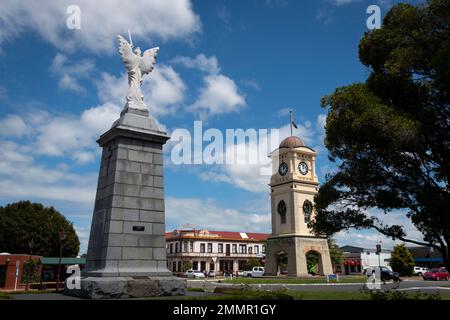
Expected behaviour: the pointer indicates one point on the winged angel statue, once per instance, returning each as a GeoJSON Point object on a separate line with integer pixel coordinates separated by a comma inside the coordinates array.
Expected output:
{"type": "Point", "coordinates": [137, 66]}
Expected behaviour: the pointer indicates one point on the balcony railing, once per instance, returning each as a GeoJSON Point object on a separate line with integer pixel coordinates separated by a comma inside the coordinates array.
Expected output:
{"type": "Point", "coordinates": [214, 254]}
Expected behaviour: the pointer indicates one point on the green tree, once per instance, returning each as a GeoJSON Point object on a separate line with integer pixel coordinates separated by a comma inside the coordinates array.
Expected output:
{"type": "Point", "coordinates": [250, 263]}
{"type": "Point", "coordinates": [390, 136]}
{"type": "Point", "coordinates": [312, 260]}
{"type": "Point", "coordinates": [402, 260]}
{"type": "Point", "coordinates": [186, 265]}
{"type": "Point", "coordinates": [336, 254]}
{"type": "Point", "coordinates": [24, 221]}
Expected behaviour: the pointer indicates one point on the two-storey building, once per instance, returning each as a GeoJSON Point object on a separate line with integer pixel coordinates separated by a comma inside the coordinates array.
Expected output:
{"type": "Point", "coordinates": [213, 250]}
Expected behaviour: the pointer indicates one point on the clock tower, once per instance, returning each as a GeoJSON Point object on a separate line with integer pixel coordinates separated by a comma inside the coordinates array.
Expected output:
{"type": "Point", "coordinates": [293, 186]}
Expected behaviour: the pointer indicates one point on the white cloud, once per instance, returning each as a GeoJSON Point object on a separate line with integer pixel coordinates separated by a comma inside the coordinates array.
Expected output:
{"type": "Point", "coordinates": [3, 92]}
{"type": "Point", "coordinates": [219, 95]}
{"type": "Point", "coordinates": [100, 22]}
{"type": "Point", "coordinates": [100, 118]}
{"type": "Point", "coordinates": [12, 126]}
{"type": "Point", "coordinates": [343, 2]}
{"type": "Point", "coordinates": [83, 236]}
{"type": "Point", "coordinates": [250, 176]}
{"type": "Point", "coordinates": [213, 215]}
{"type": "Point", "coordinates": [70, 74]}
{"type": "Point", "coordinates": [163, 91]}
{"type": "Point", "coordinates": [284, 112]}
{"type": "Point", "coordinates": [21, 177]}
{"type": "Point", "coordinates": [200, 62]}
{"type": "Point", "coordinates": [251, 84]}
{"type": "Point", "coordinates": [369, 238]}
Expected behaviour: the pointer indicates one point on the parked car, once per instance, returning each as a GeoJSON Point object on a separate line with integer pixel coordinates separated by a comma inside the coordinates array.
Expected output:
{"type": "Point", "coordinates": [420, 270]}
{"type": "Point", "coordinates": [436, 274]}
{"type": "Point", "coordinates": [195, 274]}
{"type": "Point", "coordinates": [256, 272]}
{"type": "Point", "coordinates": [212, 274]}
{"type": "Point", "coordinates": [385, 273]}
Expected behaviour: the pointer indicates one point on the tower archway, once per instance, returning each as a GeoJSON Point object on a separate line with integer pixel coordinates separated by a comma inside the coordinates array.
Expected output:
{"type": "Point", "coordinates": [314, 262]}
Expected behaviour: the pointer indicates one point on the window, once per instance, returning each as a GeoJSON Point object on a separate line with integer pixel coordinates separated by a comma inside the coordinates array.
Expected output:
{"type": "Point", "coordinates": [202, 247]}
{"type": "Point", "coordinates": [307, 210]}
{"type": "Point", "coordinates": [234, 248]}
{"type": "Point", "coordinates": [194, 265]}
{"type": "Point", "coordinates": [256, 249]}
{"type": "Point", "coordinates": [176, 247]}
{"type": "Point", "coordinates": [250, 250]}
{"type": "Point", "coordinates": [174, 266]}
{"type": "Point", "coordinates": [179, 265]}
{"type": "Point", "coordinates": [220, 248]}
{"type": "Point", "coordinates": [282, 211]}
{"type": "Point", "coordinates": [191, 246]}
{"type": "Point", "coordinates": [211, 266]}
{"type": "Point", "coordinates": [242, 248]}
{"type": "Point", "coordinates": [209, 247]}
{"type": "Point", "coordinates": [171, 248]}
{"type": "Point", "coordinates": [185, 246]}
{"type": "Point", "coordinates": [263, 249]}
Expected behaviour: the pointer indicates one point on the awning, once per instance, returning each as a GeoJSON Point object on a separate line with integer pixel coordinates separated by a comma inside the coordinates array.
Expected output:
{"type": "Point", "coordinates": [64, 261]}
{"type": "Point", "coordinates": [352, 263]}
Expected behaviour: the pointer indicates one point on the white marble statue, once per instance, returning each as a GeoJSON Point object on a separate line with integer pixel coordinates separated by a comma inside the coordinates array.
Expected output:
{"type": "Point", "coordinates": [137, 66]}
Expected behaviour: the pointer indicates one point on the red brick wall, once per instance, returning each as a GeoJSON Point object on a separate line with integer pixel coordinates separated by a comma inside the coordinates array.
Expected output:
{"type": "Point", "coordinates": [10, 262]}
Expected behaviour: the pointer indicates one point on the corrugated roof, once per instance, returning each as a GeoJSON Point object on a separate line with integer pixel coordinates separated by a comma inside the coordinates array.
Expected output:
{"type": "Point", "coordinates": [230, 235]}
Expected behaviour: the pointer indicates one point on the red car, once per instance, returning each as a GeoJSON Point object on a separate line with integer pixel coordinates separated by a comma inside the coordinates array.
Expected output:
{"type": "Point", "coordinates": [436, 274]}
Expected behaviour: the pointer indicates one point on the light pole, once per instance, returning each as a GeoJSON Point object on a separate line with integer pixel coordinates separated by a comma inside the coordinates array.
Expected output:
{"type": "Point", "coordinates": [27, 283]}
{"type": "Point", "coordinates": [62, 236]}
{"type": "Point", "coordinates": [431, 257]}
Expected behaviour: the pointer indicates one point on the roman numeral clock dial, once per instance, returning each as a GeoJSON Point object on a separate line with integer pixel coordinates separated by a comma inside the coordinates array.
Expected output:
{"type": "Point", "coordinates": [303, 168]}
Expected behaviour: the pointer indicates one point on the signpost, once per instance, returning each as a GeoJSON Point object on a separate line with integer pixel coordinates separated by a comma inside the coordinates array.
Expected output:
{"type": "Point", "coordinates": [379, 254]}
{"type": "Point", "coordinates": [17, 274]}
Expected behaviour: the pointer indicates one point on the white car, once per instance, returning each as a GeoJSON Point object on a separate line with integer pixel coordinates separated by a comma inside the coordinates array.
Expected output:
{"type": "Point", "coordinates": [196, 274]}
{"type": "Point", "coordinates": [420, 271]}
{"type": "Point", "coordinates": [256, 272]}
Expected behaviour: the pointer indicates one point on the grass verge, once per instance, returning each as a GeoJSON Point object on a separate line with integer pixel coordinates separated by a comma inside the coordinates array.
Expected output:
{"type": "Point", "coordinates": [356, 279]}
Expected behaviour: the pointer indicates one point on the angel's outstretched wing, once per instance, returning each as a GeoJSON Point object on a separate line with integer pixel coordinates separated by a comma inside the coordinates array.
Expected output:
{"type": "Point", "coordinates": [148, 60]}
{"type": "Point", "coordinates": [129, 58]}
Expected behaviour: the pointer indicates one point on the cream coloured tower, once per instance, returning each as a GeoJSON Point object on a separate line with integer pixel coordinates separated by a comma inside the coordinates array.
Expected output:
{"type": "Point", "coordinates": [293, 186]}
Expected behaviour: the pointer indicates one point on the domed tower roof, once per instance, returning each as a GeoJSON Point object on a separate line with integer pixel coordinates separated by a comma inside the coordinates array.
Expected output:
{"type": "Point", "coordinates": [292, 142]}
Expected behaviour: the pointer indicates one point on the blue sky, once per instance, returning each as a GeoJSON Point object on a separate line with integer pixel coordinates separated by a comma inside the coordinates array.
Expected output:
{"type": "Point", "coordinates": [233, 64]}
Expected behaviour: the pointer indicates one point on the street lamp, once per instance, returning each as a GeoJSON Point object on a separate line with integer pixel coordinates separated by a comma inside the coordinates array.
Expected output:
{"type": "Point", "coordinates": [62, 237]}
{"type": "Point", "coordinates": [431, 257]}
{"type": "Point", "coordinates": [27, 283]}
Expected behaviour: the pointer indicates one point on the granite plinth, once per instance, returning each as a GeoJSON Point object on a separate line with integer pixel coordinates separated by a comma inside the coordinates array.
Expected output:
{"type": "Point", "coordinates": [127, 287]}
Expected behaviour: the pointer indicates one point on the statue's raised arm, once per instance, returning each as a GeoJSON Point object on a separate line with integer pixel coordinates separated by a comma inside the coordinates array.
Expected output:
{"type": "Point", "coordinates": [136, 66]}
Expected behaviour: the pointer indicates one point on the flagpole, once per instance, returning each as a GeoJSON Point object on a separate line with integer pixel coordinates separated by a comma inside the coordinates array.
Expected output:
{"type": "Point", "coordinates": [290, 113]}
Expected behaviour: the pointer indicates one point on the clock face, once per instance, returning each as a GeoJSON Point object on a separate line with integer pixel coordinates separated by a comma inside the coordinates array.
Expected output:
{"type": "Point", "coordinates": [283, 169]}
{"type": "Point", "coordinates": [303, 168]}
{"type": "Point", "coordinates": [307, 210]}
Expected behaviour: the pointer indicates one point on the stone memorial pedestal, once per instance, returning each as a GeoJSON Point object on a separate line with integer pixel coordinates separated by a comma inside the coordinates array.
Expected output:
{"type": "Point", "coordinates": [126, 255]}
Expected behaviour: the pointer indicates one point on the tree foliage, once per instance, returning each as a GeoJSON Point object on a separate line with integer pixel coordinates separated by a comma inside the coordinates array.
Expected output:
{"type": "Point", "coordinates": [336, 254]}
{"type": "Point", "coordinates": [390, 136]}
{"type": "Point", "coordinates": [24, 221]}
{"type": "Point", "coordinates": [402, 260]}
{"type": "Point", "coordinates": [250, 263]}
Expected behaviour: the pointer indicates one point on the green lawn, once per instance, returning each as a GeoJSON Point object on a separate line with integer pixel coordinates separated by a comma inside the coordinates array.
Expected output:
{"type": "Point", "coordinates": [317, 295]}
{"type": "Point", "coordinates": [311, 280]}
